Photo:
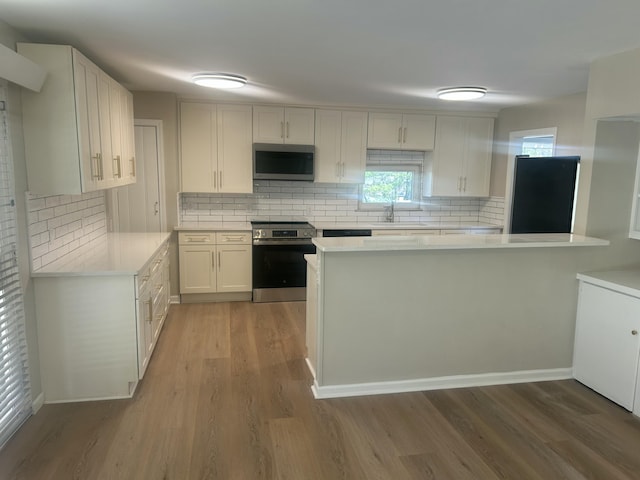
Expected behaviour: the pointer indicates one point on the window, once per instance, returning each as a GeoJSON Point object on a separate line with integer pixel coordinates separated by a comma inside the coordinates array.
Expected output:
{"type": "Point", "coordinates": [392, 177]}
{"type": "Point", "coordinates": [538, 146]}
{"type": "Point", "coordinates": [15, 394]}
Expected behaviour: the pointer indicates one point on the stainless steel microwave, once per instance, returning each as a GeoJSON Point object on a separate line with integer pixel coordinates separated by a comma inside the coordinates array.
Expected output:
{"type": "Point", "coordinates": [283, 162]}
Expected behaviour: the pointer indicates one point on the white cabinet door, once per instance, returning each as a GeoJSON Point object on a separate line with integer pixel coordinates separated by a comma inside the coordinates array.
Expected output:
{"type": "Point", "coordinates": [198, 147]}
{"type": "Point", "coordinates": [448, 156]}
{"type": "Point", "coordinates": [145, 331]}
{"type": "Point", "coordinates": [234, 268]}
{"type": "Point", "coordinates": [341, 146]}
{"type": "Point", "coordinates": [299, 126]}
{"type": "Point", "coordinates": [606, 347]}
{"type": "Point", "coordinates": [477, 163]}
{"type": "Point", "coordinates": [283, 125]}
{"type": "Point", "coordinates": [462, 157]}
{"type": "Point", "coordinates": [328, 146]}
{"type": "Point", "coordinates": [353, 147]}
{"type": "Point", "coordinates": [197, 268]}
{"type": "Point", "coordinates": [385, 130]}
{"type": "Point", "coordinates": [234, 149]}
{"type": "Point", "coordinates": [268, 124]}
{"type": "Point", "coordinates": [401, 131]}
{"type": "Point", "coordinates": [418, 131]}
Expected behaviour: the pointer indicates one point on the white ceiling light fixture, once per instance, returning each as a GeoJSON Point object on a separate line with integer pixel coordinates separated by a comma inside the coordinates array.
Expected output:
{"type": "Point", "coordinates": [461, 93]}
{"type": "Point", "coordinates": [219, 80]}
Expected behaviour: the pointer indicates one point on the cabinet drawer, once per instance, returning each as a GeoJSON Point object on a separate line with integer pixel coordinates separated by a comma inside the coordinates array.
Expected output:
{"type": "Point", "coordinates": [191, 238]}
{"type": "Point", "coordinates": [236, 238]}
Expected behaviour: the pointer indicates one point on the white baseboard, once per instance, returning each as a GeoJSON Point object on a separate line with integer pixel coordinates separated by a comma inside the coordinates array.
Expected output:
{"type": "Point", "coordinates": [37, 403]}
{"type": "Point", "coordinates": [437, 383]}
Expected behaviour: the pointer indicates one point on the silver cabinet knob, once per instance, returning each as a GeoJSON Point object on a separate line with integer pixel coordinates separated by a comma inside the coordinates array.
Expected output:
{"type": "Point", "coordinates": [634, 332]}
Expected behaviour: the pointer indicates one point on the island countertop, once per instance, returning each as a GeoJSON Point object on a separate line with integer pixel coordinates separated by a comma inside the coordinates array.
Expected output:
{"type": "Point", "coordinates": [454, 242]}
{"type": "Point", "coordinates": [111, 254]}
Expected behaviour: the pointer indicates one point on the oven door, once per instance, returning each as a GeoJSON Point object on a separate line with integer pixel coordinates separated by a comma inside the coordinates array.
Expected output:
{"type": "Point", "coordinates": [280, 270]}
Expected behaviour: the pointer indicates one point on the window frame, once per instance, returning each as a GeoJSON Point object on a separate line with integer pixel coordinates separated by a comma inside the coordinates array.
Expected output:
{"type": "Point", "coordinates": [382, 166]}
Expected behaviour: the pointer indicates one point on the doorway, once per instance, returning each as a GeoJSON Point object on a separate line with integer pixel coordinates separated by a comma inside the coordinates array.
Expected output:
{"type": "Point", "coordinates": [141, 207]}
{"type": "Point", "coordinates": [538, 142]}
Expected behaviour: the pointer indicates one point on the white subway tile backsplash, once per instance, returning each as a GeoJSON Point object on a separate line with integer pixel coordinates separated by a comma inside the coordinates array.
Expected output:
{"type": "Point", "coordinates": [328, 203]}
{"type": "Point", "coordinates": [59, 224]}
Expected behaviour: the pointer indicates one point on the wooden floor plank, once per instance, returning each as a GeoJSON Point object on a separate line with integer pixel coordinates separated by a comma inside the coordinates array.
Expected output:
{"type": "Point", "coordinates": [226, 396]}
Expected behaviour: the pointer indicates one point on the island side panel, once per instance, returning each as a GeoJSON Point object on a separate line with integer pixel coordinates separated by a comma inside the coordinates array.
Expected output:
{"type": "Point", "coordinates": [393, 316]}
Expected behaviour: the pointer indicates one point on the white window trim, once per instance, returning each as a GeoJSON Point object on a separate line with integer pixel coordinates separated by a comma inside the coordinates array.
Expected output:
{"type": "Point", "coordinates": [417, 187]}
{"type": "Point", "coordinates": [515, 145]}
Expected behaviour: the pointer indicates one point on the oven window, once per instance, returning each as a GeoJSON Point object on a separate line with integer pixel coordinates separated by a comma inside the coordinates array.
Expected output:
{"type": "Point", "coordinates": [280, 266]}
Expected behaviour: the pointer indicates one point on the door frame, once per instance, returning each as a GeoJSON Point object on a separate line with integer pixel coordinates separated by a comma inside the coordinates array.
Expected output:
{"type": "Point", "coordinates": [515, 142]}
{"type": "Point", "coordinates": [113, 221]}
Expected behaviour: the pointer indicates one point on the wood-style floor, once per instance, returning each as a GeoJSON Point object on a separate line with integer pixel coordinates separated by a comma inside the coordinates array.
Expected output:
{"type": "Point", "coordinates": [226, 396]}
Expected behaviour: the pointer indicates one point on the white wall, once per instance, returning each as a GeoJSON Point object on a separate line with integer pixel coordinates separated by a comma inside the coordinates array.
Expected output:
{"type": "Point", "coordinates": [566, 113]}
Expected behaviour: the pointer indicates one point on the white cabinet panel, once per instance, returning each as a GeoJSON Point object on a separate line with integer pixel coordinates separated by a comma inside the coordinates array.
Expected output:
{"type": "Point", "coordinates": [214, 262]}
{"type": "Point", "coordinates": [400, 131]}
{"type": "Point", "coordinates": [462, 157]}
{"type": "Point", "coordinates": [341, 147]}
{"type": "Point", "coordinates": [215, 148]}
{"type": "Point", "coordinates": [73, 126]}
{"type": "Point", "coordinates": [272, 124]}
{"type": "Point", "coordinates": [606, 347]}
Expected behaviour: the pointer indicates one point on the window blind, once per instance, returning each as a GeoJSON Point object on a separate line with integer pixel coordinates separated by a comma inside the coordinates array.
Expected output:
{"type": "Point", "coordinates": [15, 392]}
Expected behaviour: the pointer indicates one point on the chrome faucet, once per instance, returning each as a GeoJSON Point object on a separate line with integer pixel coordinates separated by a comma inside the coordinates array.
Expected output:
{"type": "Point", "coordinates": [389, 213]}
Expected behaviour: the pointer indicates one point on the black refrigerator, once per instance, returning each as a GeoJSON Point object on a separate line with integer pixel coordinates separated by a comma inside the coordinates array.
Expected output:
{"type": "Point", "coordinates": [543, 194]}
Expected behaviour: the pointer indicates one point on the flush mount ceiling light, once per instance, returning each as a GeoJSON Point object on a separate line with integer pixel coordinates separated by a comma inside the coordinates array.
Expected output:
{"type": "Point", "coordinates": [219, 80]}
{"type": "Point", "coordinates": [462, 93]}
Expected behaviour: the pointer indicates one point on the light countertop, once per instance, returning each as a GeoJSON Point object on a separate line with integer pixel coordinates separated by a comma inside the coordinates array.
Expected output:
{"type": "Point", "coordinates": [624, 281]}
{"type": "Point", "coordinates": [403, 225]}
{"type": "Point", "coordinates": [111, 254]}
{"type": "Point", "coordinates": [453, 242]}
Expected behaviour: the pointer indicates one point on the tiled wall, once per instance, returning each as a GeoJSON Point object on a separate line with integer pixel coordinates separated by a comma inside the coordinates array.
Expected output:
{"type": "Point", "coordinates": [278, 200]}
{"type": "Point", "coordinates": [492, 211]}
{"type": "Point", "coordinates": [59, 224]}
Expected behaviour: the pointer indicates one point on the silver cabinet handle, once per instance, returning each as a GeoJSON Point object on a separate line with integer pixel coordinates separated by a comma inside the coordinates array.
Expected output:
{"type": "Point", "coordinates": [213, 260]}
{"type": "Point", "coordinates": [95, 169]}
{"type": "Point", "coordinates": [342, 174]}
{"type": "Point", "coordinates": [118, 167]}
{"type": "Point", "coordinates": [150, 311]}
{"type": "Point", "coordinates": [287, 129]}
{"type": "Point", "coordinates": [464, 188]}
{"type": "Point", "coordinates": [156, 210]}
{"type": "Point", "coordinates": [220, 178]}
{"type": "Point", "coordinates": [404, 135]}
{"type": "Point", "coordinates": [133, 166]}
{"type": "Point", "coordinates": [459, 187]}
{"type": "Point", "coordinates": [215, 180]}
{"type": "Point", "coordinates": [281, 129]}
{"type": "Point", "coordinates": [399, 134]}
{"type": "Point", "coordinates": [219, 262]}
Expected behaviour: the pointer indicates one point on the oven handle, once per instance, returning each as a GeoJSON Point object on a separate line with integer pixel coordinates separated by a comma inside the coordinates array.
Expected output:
{"type": "Point", "coordinates": [257, 241]}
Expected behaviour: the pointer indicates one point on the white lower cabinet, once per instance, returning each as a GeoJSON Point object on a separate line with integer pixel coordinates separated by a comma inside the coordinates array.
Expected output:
{"type": "Point", "coordinates": [607, 342]}
{"type": "Point", "coordinates": [96, 332]}
{"type": "Point", "coordinates": [214, 262]}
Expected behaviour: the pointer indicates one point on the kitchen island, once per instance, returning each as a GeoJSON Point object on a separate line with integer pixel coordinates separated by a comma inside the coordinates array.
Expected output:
{"type": "Point", "coordinates": [399, 313]}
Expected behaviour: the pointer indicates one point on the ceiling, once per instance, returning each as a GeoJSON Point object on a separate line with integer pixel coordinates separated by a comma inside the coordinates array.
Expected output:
{"type": "Point", "coordinates": [376, 53]}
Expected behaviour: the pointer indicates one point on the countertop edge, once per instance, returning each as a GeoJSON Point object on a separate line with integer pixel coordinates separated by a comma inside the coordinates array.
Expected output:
{"type": "Point", "coordinates": [454, 242]}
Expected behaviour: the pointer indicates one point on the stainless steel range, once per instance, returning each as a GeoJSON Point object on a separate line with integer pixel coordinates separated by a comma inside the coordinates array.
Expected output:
{"type": "Point", "coordinates": [279, 267]}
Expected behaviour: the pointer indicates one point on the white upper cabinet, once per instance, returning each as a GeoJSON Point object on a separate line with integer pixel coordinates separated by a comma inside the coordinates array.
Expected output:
{"type": "Point", "coordinates": [74, 125]}
{"type": "Point", "coordinates": [215, 148]}
{"type": "Point", "coordinates": [283, 125]}
{"type": "Point", "coordinates": [341, 146]}
{"type": "Point", "coordinates": [462, 157]}
{"type": "Point", "coordinates": [401, 131]}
